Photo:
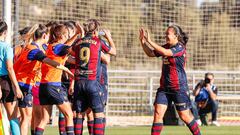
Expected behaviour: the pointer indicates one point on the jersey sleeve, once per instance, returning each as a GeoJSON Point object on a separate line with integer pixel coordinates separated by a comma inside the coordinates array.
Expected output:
{"type": "Point", "coordinates": [178, 50]}
{"type": "Point", "coordinates": [157, 54]}
{"type": "Point", "coordinates": [215, 89]}
{"type": "Point", "coordinates": [45, 46]}
{"type": "Point", "coordinates": [61, 49]}
{"type": "Point", "coordinates": [9, 53]}
{"type": "Point", "coordinates": [105, 46]}
{"type": "Point", "coordinates": [36, 54]}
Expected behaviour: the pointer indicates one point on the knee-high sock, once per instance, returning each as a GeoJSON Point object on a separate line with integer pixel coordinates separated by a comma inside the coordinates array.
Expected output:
{"type": "Point", "coordinates": [193, 126]}
{"type": "Point", "coordinates": [39, 131]}
{"type": "Point", "coordinates": [99, 126]}
{"type": "Point", "coordinates": [70, 130]}
{"type": "Point", "coordinates": [90, 127]}
{"type": "Point", "coordinates": [156, 128]}
{"type": "Point", "coordinates": [61, 124]}
{"type": "Point", "coordinates": [78, 126]}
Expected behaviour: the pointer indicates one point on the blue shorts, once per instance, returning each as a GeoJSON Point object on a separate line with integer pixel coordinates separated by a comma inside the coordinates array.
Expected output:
{"type": "Point", "coordinates": [27, 95]}
{"type": "Point", "coordinates": [167, 96]}
{"type": "Point", "coordinates": [52, 94]}
{"type": "Point", "coordinates": [87, 94]}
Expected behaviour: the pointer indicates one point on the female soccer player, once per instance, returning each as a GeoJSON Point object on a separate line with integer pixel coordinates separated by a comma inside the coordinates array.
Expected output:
{"type": "Point", "coordinates": [51, 91]}
{"type": "Point", "coordinates": [87, 91]}
{"type": "Point", "coordinates": [8, 79]}
{"type": "Point", "coordinates": [103, 80]}
{"type": "Point", "coordinates": [67, 82]}
{"type": "Point", "coordinates": [37, 108]}
{"type": "Point", "coordinates": [173, 82]}
{"type": "Point", "coordinates": [27, 67]}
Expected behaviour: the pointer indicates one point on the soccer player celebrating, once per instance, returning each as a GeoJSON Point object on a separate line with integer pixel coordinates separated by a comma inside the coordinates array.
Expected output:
{"type": "Point", "coordinates": [173, 82]}
{"type": "Point", "coordinates": [103, 80]}
{"type": "Point", "coordinates": [51, 91]}
{"type": "Point", "coordinates": [67, 82]}
{"type": "Point", "coordinates": [27, 67]}
{"type": "Point", "coordinates": [87, 91]}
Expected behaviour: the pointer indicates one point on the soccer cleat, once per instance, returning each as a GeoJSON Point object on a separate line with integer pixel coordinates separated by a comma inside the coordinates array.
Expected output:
{"type": "Point", "coordinates": [215, 123]}
{"type": "Point", "coordinates": [199, 122]}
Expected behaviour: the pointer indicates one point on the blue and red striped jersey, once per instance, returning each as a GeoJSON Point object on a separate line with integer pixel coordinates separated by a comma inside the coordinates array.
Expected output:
{"type": "Point", "coordinates": [104, 74]}
{"type": "Point", "coordinates": [88, 57]}
{"type": "Point", "coordinates": [173, 72]}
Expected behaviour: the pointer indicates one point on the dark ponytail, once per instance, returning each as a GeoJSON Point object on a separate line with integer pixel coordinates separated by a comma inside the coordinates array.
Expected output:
{"type": "Point", "coordinates": [57, 32]}
{"type": "Point", "coordinates": [3, 27]}
{"type": "Point", "coordinates": [42, 29]}
{"type": "Point", "coordinates": [91, 26]}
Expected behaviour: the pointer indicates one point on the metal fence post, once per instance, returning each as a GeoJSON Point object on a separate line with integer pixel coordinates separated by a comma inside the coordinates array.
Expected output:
{"type": "Point", "coordinates": [7, 17]}
{"type": "Point", "coordinates": [151, 95]}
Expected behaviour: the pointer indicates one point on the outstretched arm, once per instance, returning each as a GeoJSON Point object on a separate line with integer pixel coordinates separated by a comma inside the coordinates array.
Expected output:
{"type": "Point", "coordinates": [57, 65]}
{"type": "Point", "coordinates": [108, 36]}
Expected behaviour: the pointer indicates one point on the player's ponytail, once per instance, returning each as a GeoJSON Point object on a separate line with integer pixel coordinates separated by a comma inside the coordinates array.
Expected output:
{"type": "Point", "coordinates": [91, 26]}
{"type": "Point", "coordinates": [42, 29]}
{"type": "Point", "coordinates": [3, 27]}
{"type": "Point", "coordinates": [27, 34]}
{"type": "Point", "coordinates": [57, 32]}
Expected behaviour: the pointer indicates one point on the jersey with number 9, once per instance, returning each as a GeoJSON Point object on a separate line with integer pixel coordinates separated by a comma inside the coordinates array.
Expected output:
{"type": "Point", "coordinates": [88, 57]}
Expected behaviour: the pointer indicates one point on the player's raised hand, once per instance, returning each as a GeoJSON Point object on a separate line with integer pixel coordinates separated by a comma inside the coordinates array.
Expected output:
{"type": "Point", "coordinates": [107, 33]}
{"type": "Point", "coordinates": [80, 29]}
{"type": "Point", "coordinates": [141, 36]}
{"type": "Point", "coordinates": [147, 35]}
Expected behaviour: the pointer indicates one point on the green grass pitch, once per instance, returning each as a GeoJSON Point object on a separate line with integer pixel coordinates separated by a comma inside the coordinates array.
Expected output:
{"type": "Point", "coordinates": [168, 130]}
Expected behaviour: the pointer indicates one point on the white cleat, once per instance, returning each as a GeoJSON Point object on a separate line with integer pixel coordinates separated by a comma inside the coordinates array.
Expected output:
{"type": "Point", "coordinates": [199, 122]}
{"type": "Point", "coordinates": [215, 123]}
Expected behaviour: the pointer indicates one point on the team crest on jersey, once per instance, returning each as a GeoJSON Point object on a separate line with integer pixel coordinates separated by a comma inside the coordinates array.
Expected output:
{"type": "Point", "coordinates": [165, 61]}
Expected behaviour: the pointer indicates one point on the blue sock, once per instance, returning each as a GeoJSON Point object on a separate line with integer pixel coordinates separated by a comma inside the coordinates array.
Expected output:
{"type": "Point", "coordinates": [15, 128]}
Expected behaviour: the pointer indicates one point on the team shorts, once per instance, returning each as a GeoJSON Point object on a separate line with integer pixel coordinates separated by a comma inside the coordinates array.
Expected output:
{"type": "Point", "coordinates": [180, 98]}
{"type": "Point", "coordinates": [27, 95]}
{"type": "Point", "coordinates": [88, 93]}
{"type": "Point", "coordinates": [52, 94]}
